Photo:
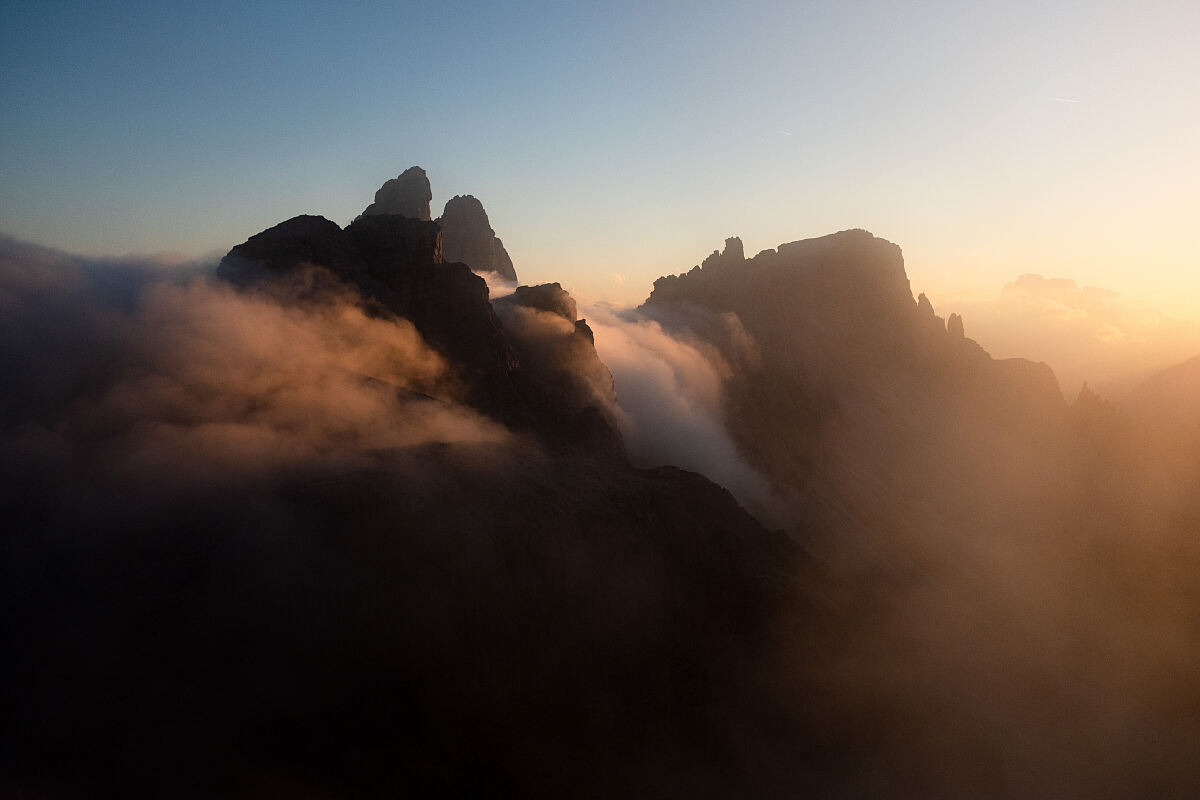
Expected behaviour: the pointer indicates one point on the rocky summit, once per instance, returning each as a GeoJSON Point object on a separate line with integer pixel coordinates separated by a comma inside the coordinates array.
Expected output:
{"type": "Point", "coordinates": [468, 237]}
{"type": "Point", "coordinates": [408, 194]}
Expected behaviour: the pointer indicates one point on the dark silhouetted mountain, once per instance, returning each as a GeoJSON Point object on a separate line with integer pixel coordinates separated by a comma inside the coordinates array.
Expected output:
{"type": "Point", "coordinates": [408, 195]}
{"type": "Point", "coordinates": [985, 539]}
{"type": "Point", "coordinates": [856, 385]}
{"type": "Point", "coordinates": [277, 251]}
{"type": "Point", "coordinates": [395, 263]}
{"type": "Point", "coordinates": [468, 237]}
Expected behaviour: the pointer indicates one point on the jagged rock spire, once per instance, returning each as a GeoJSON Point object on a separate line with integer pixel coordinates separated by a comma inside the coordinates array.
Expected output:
{"type": "Point", "coordinates": [467, 236]}
{"type": "Point", "coordinates": [408, 194]}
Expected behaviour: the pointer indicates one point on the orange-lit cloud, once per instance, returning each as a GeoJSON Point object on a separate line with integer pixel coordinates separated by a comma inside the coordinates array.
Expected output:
{"type": "Point", "coordinates": [195, 379]}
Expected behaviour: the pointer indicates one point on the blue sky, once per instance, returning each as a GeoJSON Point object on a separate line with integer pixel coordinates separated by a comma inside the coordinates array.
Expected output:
{"type": "Point", "coordinates": [612, 143]}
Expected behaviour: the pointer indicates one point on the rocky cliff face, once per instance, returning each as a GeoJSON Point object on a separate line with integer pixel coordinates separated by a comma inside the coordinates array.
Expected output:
{"type": "Point", "coordinates": [469, 238]}
{"type": "Point", "coordinates": [408, 194]}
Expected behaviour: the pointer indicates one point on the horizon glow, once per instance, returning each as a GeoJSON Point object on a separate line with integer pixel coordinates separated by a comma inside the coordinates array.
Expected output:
{"type": "Point", "coordinates": [626, 140]}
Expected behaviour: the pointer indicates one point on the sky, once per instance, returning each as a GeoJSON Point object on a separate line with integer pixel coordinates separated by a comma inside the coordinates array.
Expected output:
{"type": "Point", "coordinates": [615, 142]}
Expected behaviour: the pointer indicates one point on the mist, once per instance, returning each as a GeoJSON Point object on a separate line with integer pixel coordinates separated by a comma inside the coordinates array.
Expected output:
{"type": "Point", "coordinates": [663, 389]}
{"type": "Point", "coordinates": [498, 285]}
{"type": "Point", "coordinates": [670, 403]}
{"type": "Point", "coordinates": [236, 383]}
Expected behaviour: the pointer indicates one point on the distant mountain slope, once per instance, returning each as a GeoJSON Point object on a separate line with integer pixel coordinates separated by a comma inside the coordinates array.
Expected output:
{"type": "Point", "coordinates": [1168, 399]}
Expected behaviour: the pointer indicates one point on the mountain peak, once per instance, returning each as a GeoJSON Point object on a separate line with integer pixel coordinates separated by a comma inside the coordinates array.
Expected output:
{"type": "Point", "coordinates": [408, 194]}
{"type": "Point", "coordinates": [469, 238]}
{"type": "Point", "coordinates": [548, 297]}
{"type": "Point", "coordinates": [732, 256]}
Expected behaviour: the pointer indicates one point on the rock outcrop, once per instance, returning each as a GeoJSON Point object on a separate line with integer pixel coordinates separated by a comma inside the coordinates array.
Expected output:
{"type": "Point", "coordinates": [924, 307]}
{"type": "Point", "coordinates": [549, 297]}
{"type": "Point", "coordinates": [408, 195]}
{"type": "Point", "coordinates": [468, 237]}
{"type": "Point", "coordinates": [954, 326]}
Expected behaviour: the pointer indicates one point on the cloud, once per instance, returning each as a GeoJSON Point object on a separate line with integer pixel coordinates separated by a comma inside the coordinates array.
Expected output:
{"type": "Point", "coordinates": [498, 285]}
{"type": "Point", "coordinates": [188, 377]}
{"type": "Point", "coordinates": [669, 392]}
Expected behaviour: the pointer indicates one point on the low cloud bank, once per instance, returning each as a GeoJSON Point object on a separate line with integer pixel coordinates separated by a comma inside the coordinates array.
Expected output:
{"type": "Point", "coordinates": [498, 285]}
{"type": "Point", "coordinates": [173, 377]}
